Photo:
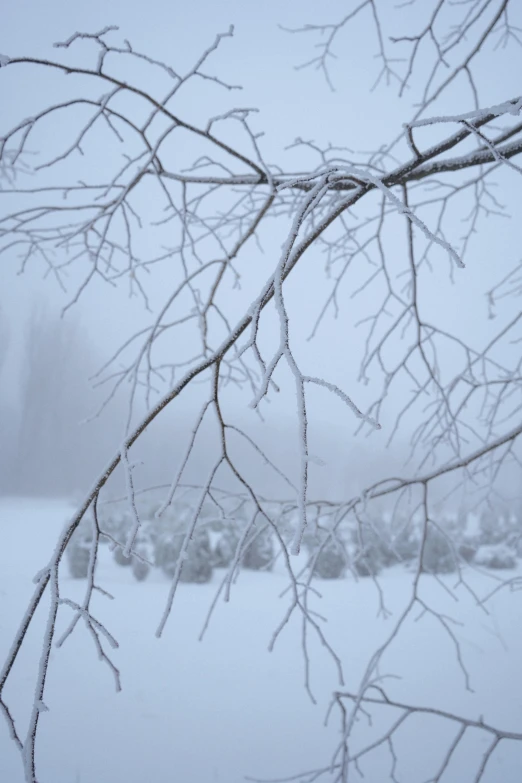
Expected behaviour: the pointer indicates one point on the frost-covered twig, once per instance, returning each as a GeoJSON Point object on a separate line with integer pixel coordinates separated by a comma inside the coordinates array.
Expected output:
{"type": "Point", "coordinates": [463, 416]}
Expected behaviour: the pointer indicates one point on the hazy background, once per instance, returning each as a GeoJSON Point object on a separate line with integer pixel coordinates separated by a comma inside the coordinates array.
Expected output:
{"type": "Point", "coordinates": [45, 392]}
{"type": "Point", "coordinates": [46, 448]}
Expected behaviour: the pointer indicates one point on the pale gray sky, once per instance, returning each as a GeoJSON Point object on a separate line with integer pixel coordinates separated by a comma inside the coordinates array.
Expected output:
{"type": "Point", "coordinates": [292, 103]}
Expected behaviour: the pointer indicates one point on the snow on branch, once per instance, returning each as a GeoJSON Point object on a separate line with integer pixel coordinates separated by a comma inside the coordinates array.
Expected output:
{"type": "Point", "coordinates": [210, 297]}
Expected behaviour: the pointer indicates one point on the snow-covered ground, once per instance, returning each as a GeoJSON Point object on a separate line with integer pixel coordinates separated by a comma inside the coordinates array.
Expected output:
{"type": "Point", "coordinates": [217, 710]}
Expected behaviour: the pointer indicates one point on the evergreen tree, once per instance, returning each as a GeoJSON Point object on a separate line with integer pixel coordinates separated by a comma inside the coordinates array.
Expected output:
{"type": "Point", "coordinates": [140, 569]}
{"type": "Point", "coordinates": [225, 548]}
{"type": "Point", "coordinates": [79, 552]}
{"type": "Point", "coordinates": [438, 556]}
{"type": "Point", "coordinates": [331, 562]}
{"type": "Point", "coordinates": [259, 554]}
{"type": "Point", "coordinates": [197, 566]}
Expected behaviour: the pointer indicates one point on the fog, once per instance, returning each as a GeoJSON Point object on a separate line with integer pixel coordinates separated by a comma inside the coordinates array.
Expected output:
{"type": "Point", "coordinates": [57, 433]}
{"type": "Point", "coordinates": [292, 103]}
{"type": "Point", "coordinates": [263, 281]}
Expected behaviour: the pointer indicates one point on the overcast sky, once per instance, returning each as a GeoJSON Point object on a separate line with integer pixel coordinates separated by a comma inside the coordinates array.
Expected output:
{"type": "Point", "coordinates": [261, 57]}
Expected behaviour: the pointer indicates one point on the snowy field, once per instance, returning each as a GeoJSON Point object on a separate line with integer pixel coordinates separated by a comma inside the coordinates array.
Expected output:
{"type": "Point", "coordinates": [217, 710]}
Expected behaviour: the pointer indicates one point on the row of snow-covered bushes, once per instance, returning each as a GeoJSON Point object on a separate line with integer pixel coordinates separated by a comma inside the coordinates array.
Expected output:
{"type": "Point", "coordinates": [367, 547]}
{"type": "Point", "coordinates": [159, 544]}
{"type": "Point", "coordinates": [362, 549]}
